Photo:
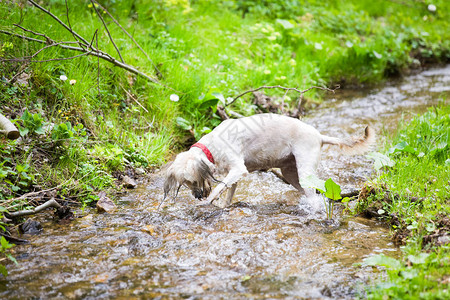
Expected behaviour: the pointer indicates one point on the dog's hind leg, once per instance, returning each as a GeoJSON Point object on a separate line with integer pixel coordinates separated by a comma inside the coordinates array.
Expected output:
{"type": "Point", "coordinates": [291, 176]}
{"type": "Point", "coordinates": [307, 162]}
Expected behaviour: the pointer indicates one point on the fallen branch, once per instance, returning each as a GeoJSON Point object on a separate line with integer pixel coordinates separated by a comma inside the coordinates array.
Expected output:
{"type": "Point", "coordinates": [27, 212]}
{"type": "Point", "coordinates": [32, 194]}
{"type": "Point", "coordinates": [95, 52]}
{"type": "Point", "coordinates": [280, 87]}
{"type": "Point", "coordinates": [7, 128]}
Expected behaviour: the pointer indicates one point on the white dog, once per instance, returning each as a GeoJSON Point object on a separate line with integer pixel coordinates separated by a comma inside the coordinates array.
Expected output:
{"type": "Point", "coordinates": [260, 142]}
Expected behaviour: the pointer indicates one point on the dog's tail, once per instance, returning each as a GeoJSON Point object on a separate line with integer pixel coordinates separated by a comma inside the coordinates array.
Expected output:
{"type": "Point", "coordinates": [353, 145]}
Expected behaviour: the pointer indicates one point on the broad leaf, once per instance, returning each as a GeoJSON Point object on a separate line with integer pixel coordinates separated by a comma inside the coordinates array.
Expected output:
{"type": "Point", "coordinates": [421, 258]}
{"type": "Point", "coordinates": [212, 103]}
{"type": "Point", "coordinates": [380, 160]}
{"type": "Point", "coordinates": [382, 260]}
{"type": "Point", "coordinates": [286, 24]}
{"type": "Point", "coordinates": [403, 147]}
{"type": "Point", "coordinates": [333, 190]}
{"type": "Point", "coordinates": [313, 182]}
{"type": "Point", "coordinates": [183, 123]}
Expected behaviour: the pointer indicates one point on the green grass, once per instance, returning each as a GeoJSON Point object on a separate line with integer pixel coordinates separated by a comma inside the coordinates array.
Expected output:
{"type": "Point", "coordinates": [417, 208]}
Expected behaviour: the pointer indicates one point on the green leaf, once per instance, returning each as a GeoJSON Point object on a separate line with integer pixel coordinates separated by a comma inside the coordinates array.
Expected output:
{"type": "Point", "coordinates": [333, 190]}
{"type": "Point", "coordinates": [377, 55]}
{"type": "Point", "coordinates": [419, 259]}
{"type": "Point", "coordinates": [218, 96]}
{"type": "Point", "coordinates": [286, 24]}
{"type": "Point", "coordinates": [3, 270]}
{"type": "Point", "coordinates": [39, 130]}
{"type": "Point", "coordinates": [5, 244]}
{"type": "Point", "coordinates": [430, 227]}
{"type": "Point", "coordinates": [212, 103]}
{"type": "Point", "coordinates": [382, 260]}
{"type": "Point", "coordinates": [20, 168]}
{"type": "Point", "coordinates": [346, 199]}
{"type": "Point", "coordinates": [403, 147]}
{"type": "Point", "coordinates": [23, 131]}
{"type": "Point", "coordinates": [312, 181]}
{"type": "Point", "coordinates": [183, 123]}
{"type": "Point", "coordinates": [26, 116]}
{"type": "Point", "coordinates": [380, 160]}
{"type": "Point", "coordinates": [11, 258]}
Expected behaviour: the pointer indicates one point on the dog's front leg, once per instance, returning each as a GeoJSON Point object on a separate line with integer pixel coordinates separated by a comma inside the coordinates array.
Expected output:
{"type": "Point", "coordinates": [229, 181]}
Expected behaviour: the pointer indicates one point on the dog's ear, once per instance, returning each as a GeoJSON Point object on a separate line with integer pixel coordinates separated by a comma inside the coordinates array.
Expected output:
{"type": "Point", "coordinates": [170, 182]}
{"type": "Point", "coordinates": [204, 172]}
{"type": "Point", "coordinates": [205, 178]}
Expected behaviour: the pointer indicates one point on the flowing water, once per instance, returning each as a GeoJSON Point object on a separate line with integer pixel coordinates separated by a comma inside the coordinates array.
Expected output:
{"type": "Point", "coordinates": [267, 245]}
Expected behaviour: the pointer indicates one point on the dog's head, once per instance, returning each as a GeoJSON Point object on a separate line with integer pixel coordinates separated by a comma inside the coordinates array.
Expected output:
{"type": "Point", "coordinates": [190, 170]}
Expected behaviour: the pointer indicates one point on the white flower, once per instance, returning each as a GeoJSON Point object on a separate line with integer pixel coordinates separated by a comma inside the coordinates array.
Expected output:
{"type": "Point", "coordinates": [72, 81]}
{"type": "Point", "coordinates": [174, 98]}
{"type": "Point", "coordinates": [63, 77]}
{"type": "Point", "coordinates": [318, 46]}
{"type": "Point", "coordinates": [432, 7]}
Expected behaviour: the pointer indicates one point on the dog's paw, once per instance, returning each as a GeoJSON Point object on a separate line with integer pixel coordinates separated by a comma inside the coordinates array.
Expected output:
{"type": "Point", "coordinates": [219, 203]}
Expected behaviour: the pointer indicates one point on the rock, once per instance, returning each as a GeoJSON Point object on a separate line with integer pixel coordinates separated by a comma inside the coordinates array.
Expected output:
{"type": "Point", "coordinates": [31, 227]}
{"type": "Point", "coordinates": [104, 204]}
{"type": "Point", "coordinates": [129, 183]}
{"type": "Point", "coordinates": [140, 171]}
{"type": "Point", "coordinates": [443, 240]}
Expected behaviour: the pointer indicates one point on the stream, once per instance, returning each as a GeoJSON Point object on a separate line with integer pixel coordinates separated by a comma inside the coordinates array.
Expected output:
{"type": "Point", "coordinates": [268, 244]}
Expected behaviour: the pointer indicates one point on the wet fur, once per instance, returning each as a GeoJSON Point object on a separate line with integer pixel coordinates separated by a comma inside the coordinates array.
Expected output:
{"type": "Point", "coordinates": [253, 143]}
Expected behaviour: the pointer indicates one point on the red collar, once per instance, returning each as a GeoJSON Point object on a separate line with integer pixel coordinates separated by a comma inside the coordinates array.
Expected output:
{"type": "Point", "coordinates": [205, 150]}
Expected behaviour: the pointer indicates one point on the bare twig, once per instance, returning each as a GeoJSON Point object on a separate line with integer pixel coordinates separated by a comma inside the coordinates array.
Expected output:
{"type": "Point", "coordinates": [134, 99]}
{"type": "Point", "coordinates": [59, 21]}
{"type": "Point", "coordinates": [98, 66]}
{"type": "Point", "coordinates": [129, 35]}
{"type": "Point", "coordinates": [48, 40]}
{"type": "Point", "coordinates": [107, 30]}
{"type": "Point", "coordinates": [29, 58]}
{"type": "Point", "coordinates": [50, 203]}
{"type": "Point", "coordinates": [70, 25]}
{"type": "Point", "coordinates": [280, 87]}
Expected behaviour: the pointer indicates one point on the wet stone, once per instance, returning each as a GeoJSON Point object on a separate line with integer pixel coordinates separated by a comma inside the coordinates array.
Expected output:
{"type": "Point", "coordinates": [129, 182]}
{"type": "Point", "coordinates": [207, 212]}
{"type": "Point", "coordinates": [31, 227]}
{"type": "Point", "coordinates": [104, 204]}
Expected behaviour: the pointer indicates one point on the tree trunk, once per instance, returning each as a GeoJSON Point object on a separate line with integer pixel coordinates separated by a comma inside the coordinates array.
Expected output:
{"type": "Point", "coordinates": [7, 128]}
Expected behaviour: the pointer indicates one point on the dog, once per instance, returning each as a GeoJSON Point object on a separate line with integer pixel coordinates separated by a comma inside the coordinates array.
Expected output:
{"type": "Point", "coordinates": [259, 142]}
